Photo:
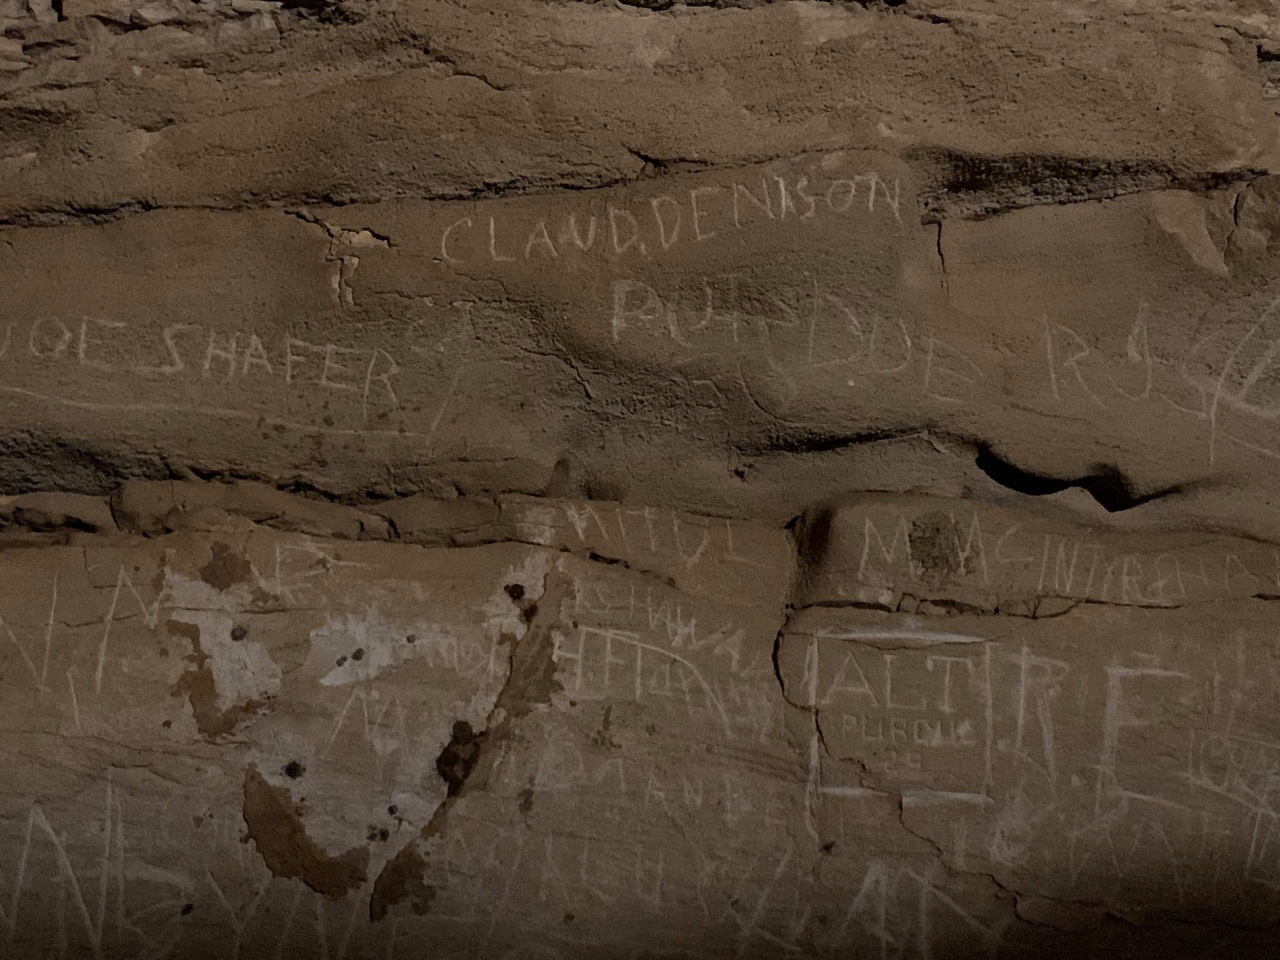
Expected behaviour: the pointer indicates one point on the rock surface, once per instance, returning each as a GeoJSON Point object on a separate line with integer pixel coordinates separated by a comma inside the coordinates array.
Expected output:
{"type": "Point", "coordinates": [649, 479]}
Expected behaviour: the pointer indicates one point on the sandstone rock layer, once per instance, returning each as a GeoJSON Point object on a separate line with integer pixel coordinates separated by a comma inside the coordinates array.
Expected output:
{"type": "Point", "coordinates": [654, 480]}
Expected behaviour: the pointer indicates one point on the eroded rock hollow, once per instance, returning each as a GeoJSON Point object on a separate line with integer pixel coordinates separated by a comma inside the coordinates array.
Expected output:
{"type": "Point", "coordinates": [553, 480]}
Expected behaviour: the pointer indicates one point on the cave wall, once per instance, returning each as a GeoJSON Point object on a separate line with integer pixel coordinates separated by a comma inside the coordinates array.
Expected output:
{"type": "Point", "coordinates": [547, 480]}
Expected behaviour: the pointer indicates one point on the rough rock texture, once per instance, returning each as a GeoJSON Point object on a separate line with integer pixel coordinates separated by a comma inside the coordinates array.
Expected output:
{"type": "Point", "coordinates": [721, 479]}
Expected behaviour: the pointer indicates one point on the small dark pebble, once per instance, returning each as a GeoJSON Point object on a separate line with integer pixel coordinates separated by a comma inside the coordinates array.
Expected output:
{"type": "Point", "coordinates": [341, 661]}
{"type": "Point", "coordinates": [411, 638]}
{"type": "Point", "coordinates": [187, 908]}
{"type": "Point", "coordinates": [167, 724]}
{"type": "Point", "coordinates": [293, 769]}
{"type": "Point", "coordinates": [393, 810]}
{"type": "Point", "coordinates": [515, 591]}
{"type": "Point", "coordinates": [358, 654]}
{"type": "Point", "coordinates": [238, 633]}
{"type": "Point", "coordinates": [384, 833]}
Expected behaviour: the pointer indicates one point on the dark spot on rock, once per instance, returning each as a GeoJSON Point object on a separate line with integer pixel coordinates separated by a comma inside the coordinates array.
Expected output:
{"type": "Point", "coordinates": [651, 728]}
{"type": "Point", "coordinates": [401, 880]}
{"type": "Point", "coordinates": [526, 800]}
{"type": "Point", "coordinates": [602, 738]}
{"type": "Point", "coordinates": [187, 908]}
{"type": "Point", "coordinates": [274, 824]}
{"type": "Point", "coordinates": [411, 638]}
{"type": "Point", "coordinates": [515, 591]}
{"type": "Point", "coordinates": [226, 569]}
{"type": "Point", "coordinates": [828, 846]}
{"type": "Point", "coordinates": [568, 918]}
{"type": "Point", "coordinates": [936, 548]}
{"type": "Point", "coordinates": [459, 756]}
{"type": "Point", "coordinates": [529, 612]}
{"type": "Point", "coordinates": [341, 661]}
{"type": "Point", "coordinates": [238, 633]}
{"type": "Point", "coordinates": [167, 724]}
{"type": "Point", "coordinates": [293, 769]}
{"type": "Point", "coordinates": [384, 833]}
{"type": "Point", "coordinates": [358, 654]}
{"type": "Point", "coordinates": [181, 629]}
{"type": "Point", "coordinates": [393, 810]}
{"type": "Point", "coordinates": [198, 686]}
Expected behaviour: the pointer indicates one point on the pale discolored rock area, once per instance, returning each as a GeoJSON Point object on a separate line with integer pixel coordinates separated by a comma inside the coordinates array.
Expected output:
{"type": "Point", "coordinates": [555, 480]}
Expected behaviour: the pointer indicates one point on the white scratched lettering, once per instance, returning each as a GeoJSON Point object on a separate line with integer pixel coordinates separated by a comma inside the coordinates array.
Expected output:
{"type": "Point", "coordinates": [444, 239]}
{"type": "Point", "coordinates": [39, 343]}
{"type": "Point", "coordinates": [640, 226]}
{"type": "Point", "coordinates": [86, 341]}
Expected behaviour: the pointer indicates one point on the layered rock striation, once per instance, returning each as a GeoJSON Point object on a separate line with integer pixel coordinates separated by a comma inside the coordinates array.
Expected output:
{"type": "Point", "coordinates": [554, 479]}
